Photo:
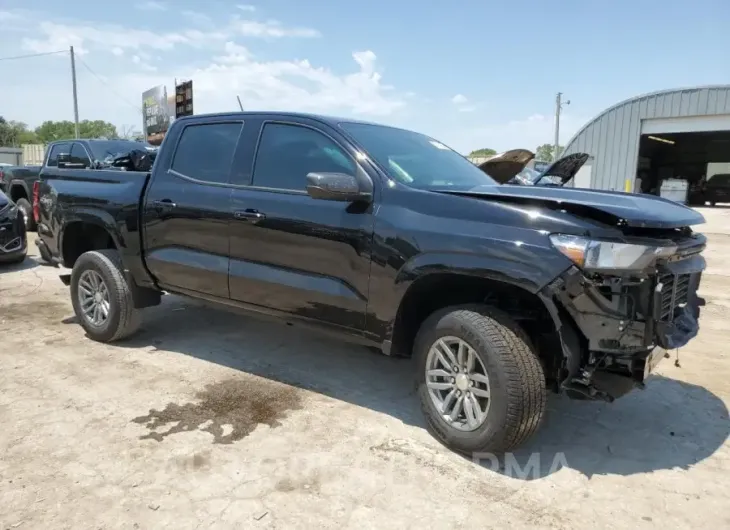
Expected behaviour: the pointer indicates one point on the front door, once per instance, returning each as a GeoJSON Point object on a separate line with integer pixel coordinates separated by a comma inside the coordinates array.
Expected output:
{"type": "Point", "coordinates": [187, 210]}
{"type": "Point", "coordinates": [293, 253]}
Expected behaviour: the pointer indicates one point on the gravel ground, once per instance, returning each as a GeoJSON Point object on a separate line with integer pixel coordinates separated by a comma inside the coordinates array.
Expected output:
{"type": "Point", "coordinates": [208, 419]}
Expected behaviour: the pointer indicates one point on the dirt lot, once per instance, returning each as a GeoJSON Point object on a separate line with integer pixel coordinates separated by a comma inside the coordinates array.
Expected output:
{"type": "Point", "coordinates": [213, 420]}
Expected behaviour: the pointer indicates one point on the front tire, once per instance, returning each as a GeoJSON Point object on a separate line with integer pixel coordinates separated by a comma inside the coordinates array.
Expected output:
{"type": "Point", "coordinates": [27, 212]}
{"type": "Point", "coordinates": [494, 373]}
{"type": "Point", "coordinates": [101, 297]}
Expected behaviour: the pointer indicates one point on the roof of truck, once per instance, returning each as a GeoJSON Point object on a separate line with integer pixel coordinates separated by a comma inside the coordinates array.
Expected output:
{"type": "Point", "coordinates": [331, 120]}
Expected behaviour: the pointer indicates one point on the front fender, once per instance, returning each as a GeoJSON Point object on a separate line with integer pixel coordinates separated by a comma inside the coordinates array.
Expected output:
{"type": "Point", "coordinates": [529, 269]}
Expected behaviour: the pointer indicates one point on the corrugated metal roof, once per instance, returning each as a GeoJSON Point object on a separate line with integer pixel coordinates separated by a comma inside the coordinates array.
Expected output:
{"type": "Point", "coordinates": [612, 137]}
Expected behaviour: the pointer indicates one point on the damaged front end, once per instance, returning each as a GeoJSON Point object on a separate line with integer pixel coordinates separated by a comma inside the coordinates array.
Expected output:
{"type": "Point", "coordinates": [622, 306]}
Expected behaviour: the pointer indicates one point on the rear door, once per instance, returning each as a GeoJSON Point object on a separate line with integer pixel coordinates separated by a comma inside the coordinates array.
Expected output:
{"type": "Point", "coordinates": [187, 208]}
{"type": "Point", "coordinates": [292, 253]}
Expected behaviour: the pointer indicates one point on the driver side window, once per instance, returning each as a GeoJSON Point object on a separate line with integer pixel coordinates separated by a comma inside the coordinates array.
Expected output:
{"type": "Point", "coordinates": [286, 153]}
{"type": "Point", "coordinates": [79, 157]}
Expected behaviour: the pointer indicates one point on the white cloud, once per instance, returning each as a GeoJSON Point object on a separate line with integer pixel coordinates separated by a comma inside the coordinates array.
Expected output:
{"type": "Point", "coordinates": [246, 7]}
{"type": "Point", "coordinates": [10, 16]}
{"type": "Point", "coordinates": [131, 59]}
{"type": "Point", "coordinates": [151, 6]}
{"type": "Point", "coordinates": [294, 85]}
{"type": "Point", "coordinates": [270, 28]}
{"type": "Point", "coordinates": [85, 36]}
{"type": "Point", "coordinates": [197, 17]}
{"type": "Point", "coordinates": [459, 99]}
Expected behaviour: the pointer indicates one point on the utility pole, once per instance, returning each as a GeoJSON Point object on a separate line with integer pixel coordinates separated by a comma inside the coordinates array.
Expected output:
{"type": "Point", "coordinates": [558, 108]}
{"type": "Point", "coordinates": [76, 99]}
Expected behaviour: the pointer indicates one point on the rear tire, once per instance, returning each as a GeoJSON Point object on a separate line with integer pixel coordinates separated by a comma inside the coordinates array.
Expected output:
{"type": "Point", "coordinates": [515, 380]}
{"type": "Point", "coordinates": [100, 273]}
{"type": "Point", "coordinates": [27, 211]}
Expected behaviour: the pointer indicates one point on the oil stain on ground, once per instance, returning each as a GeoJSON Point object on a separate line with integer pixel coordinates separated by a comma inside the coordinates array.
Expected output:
{"type": "Point", "coordinates": [229, 410]}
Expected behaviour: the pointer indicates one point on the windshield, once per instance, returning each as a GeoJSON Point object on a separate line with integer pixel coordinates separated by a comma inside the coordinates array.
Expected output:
{"type": "Point", "coordinates": [417, 160]}
{"type": "Point", "coordinates": [106, 150]}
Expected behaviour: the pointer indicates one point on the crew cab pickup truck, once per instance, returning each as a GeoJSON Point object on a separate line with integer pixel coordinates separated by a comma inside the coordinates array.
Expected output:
{"type": "Point", "coordinates": [389, 238]}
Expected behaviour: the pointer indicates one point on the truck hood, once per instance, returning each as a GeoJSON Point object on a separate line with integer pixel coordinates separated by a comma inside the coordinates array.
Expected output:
{"type": "Point", "coordinates": [620, 209]}
{"type": "Point", "coordinates": [564, 168]}
{"type": "Point", "coordinates": [504, 166]}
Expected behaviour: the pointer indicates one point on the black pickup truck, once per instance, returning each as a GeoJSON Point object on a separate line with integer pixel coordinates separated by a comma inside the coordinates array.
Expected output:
{"type": "Point", "coordinates": [19, 182]}
{"type": "Point", "coordinates": [389, 238]}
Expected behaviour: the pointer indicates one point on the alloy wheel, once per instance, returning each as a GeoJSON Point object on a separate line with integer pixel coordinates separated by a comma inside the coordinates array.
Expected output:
{"type": "Point", "coordinates": [458, 383]}
{"type": "Point", "coordinates": [93, 297]}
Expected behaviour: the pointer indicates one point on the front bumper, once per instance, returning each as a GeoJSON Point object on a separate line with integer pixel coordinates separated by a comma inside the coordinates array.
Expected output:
{"type": "Point", "coordinates": [13, 238]}
{"type": "Point", "coordinates": [13, 244]}
{"type": "Point", "coordinates": [615, 330]}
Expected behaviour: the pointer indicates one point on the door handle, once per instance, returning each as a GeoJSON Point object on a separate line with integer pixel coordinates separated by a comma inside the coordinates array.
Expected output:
{"type": "Point", "coordinates": [250, 215]}
{"type": "Point", "coordinates": [163, 204]}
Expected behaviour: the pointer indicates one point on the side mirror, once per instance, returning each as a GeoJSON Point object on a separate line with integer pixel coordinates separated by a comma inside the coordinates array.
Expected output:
{"type": "Point", "coordinates": [64, 159]}
{"type": "Point", "coordinates": [336, 187]}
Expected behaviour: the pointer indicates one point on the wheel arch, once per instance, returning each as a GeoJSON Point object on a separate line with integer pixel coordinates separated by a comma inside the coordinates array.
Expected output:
{"type": "Point", "coordinates": [434, 290]}
{"type": "Point", "coordinates": [84, 231]}
{"type": "Point", "coordinates": [18, 190]}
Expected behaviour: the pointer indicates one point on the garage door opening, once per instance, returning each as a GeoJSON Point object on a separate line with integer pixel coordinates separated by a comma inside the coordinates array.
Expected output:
{"type": "Point", "coordinates": [692, 168]}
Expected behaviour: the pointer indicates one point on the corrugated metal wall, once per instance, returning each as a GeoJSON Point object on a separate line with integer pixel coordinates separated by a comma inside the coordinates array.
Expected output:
{"type": "Point", "coordinates": [612, 138]}
{"type": "Point", "coordinates": [33, 154]}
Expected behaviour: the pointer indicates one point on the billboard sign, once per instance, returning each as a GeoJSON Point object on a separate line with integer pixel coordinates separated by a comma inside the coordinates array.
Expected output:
{"type": "Point", "coordinates": [184, 99]}
{"type": "Point", "coordinates": [155, 111]}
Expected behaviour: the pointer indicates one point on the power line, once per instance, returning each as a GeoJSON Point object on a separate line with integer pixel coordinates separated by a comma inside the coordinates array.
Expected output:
{"type": "Point", "coordinates": [109, 86]}
{"type": "Point", "coordinates": [28, 56]}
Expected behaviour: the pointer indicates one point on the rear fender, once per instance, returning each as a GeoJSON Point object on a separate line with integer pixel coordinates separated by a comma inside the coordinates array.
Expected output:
{"type": "Point", "coordinates": [96, 217]}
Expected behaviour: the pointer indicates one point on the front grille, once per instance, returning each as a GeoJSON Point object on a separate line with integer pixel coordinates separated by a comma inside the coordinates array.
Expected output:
{"type": "Point", "coordinates": [674, 293]}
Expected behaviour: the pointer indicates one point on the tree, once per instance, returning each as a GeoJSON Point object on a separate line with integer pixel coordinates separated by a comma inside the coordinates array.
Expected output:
{"type": "Point", "coordinates": [483, 152]}
{"type": "Point", "coordinates": [15, 133]}
{"type": "Point", "coordinates": [50, 131]}
{"type": "Point", "coordinates": [544, 152]}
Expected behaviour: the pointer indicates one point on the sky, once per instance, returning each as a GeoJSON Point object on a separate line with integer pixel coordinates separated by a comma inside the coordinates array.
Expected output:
{"type": "Point", "coordinates": [473, 74]}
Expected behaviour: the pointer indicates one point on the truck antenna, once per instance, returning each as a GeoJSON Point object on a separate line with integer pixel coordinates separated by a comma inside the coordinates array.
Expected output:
{"type": "Point", "coordinates": [239, 103]}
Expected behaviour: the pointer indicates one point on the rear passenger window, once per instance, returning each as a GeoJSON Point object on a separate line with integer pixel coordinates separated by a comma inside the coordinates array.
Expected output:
{"type": "Point", "coordinates": [55, 151]}
{"type": "Point", "coordinates": [205, 152]}
{"type": "Point", "coordinates": [287, 153]}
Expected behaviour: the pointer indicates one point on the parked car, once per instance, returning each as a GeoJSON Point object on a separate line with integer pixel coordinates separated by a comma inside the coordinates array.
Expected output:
{"type": "Point", "coordinates": [17, 183]}
{"type": "Point", "coordinates": [389, 238]}
{"type": "Point", "coordinates": [715, 189]}
{"type": "Point", "coordinates": [511, 167]}
{"type": "Point", "coordinates": [13, 240]}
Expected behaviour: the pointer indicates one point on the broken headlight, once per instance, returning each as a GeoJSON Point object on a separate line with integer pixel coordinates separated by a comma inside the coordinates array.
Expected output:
{"type": "Point", "coordinates": [593, 254]}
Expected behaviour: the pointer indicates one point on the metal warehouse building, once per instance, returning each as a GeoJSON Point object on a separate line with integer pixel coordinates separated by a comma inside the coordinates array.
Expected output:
{"type": "Point", "coordinates": [678, 135]}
